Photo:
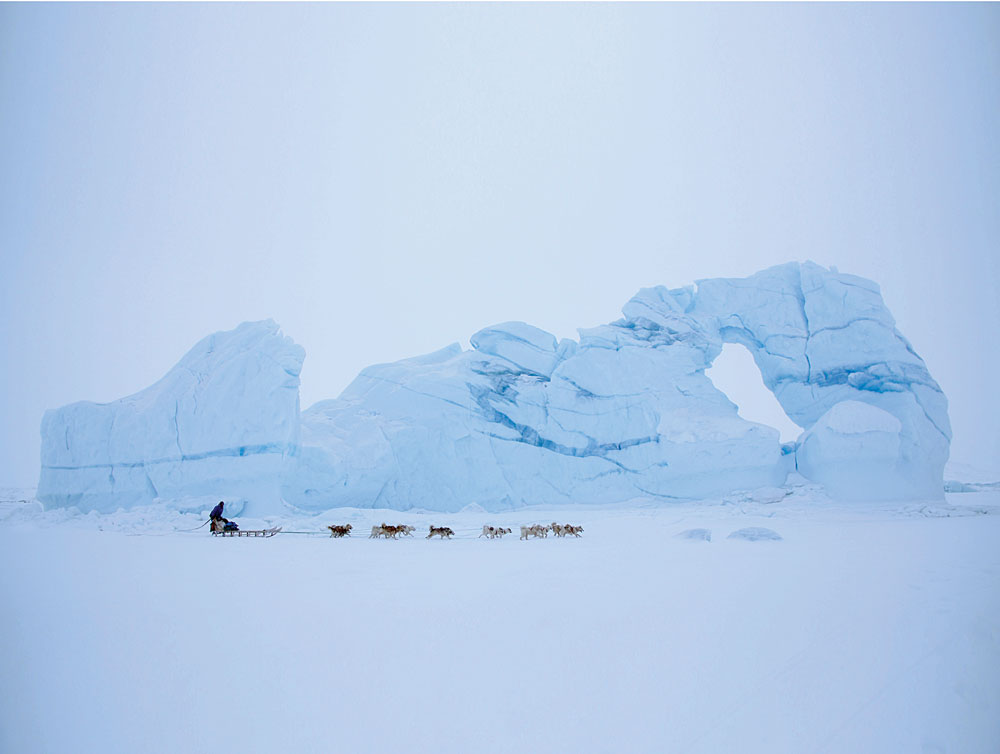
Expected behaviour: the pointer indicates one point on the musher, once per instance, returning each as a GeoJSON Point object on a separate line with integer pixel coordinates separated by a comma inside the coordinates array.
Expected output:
{"type": "Point", "coordinates": [218, 522]}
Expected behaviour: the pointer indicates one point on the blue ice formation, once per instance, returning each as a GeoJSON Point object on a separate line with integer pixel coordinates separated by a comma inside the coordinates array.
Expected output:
{"type": "Point", "coordinates": [624, 412]}
{"type": "Point", "coordinates": [222, 424]}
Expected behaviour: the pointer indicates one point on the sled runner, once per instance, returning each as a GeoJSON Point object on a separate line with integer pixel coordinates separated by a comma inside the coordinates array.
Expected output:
{"type": "Point", "coordinates": [247, 532]}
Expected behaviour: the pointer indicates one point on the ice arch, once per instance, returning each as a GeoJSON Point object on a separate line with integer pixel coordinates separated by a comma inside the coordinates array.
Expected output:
{"type": "Point", "coordinates": [822, 338]}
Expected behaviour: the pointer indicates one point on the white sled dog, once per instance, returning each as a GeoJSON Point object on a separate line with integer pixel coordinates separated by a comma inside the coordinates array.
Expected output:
{"type": "Point", "coordinates": [537, 530]}
{"type": "Point", "coordinates": [493, 531]}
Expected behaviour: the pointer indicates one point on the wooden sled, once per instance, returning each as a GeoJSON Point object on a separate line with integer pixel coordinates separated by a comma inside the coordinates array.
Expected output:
{"type": "Point", "coordinates": [248, 532]}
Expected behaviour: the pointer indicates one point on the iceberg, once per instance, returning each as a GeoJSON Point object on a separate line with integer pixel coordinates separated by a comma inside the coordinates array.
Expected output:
{"type": "Point", "coordinates": [522, 418]}
{"type": "Point", "coordinates": [821, 338]}
{"type": "Point", "coordinates": [219, 425]}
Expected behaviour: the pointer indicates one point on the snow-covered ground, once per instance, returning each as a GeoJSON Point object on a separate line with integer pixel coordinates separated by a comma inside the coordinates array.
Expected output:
{"type": "Point", "coordinates": [865, 628]}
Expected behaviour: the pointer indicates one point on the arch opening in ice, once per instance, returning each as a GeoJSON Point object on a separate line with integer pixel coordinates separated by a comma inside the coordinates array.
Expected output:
{"type": "Point", "coordinates": [735, 374]}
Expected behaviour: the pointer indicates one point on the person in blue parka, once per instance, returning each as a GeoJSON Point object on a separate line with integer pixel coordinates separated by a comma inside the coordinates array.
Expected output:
{"type": "Point", "coordinates": [217, 512]}
{"type": "Point", "coordinates": [218, 522]}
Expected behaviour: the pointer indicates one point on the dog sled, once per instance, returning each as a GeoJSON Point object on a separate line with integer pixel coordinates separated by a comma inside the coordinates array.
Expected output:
{"type": "Point", "coordinates": [247, 532]}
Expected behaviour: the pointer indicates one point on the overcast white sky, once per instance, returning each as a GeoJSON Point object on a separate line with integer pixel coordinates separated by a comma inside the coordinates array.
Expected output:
{"type": "Point", "coordinates": [385, 179]}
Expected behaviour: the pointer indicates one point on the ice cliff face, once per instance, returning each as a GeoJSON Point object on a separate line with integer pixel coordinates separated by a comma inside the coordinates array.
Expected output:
{"type": "Point", "coordinates": [221, 424]}
{"type": "Point", "coordinates": [625, 412]}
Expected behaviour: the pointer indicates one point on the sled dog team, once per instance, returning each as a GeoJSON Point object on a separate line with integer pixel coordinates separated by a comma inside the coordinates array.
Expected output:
{"type": "Point", "coordinates": [493, 532]}
{"type": "Point", "coordinates": [560, 530]}
{"type": "Point", "coordinates": [391, 532]}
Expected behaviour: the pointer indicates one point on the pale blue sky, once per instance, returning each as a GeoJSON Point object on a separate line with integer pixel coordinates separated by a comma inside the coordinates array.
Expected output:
{"type": "Point", "coordinates": [386, 179]}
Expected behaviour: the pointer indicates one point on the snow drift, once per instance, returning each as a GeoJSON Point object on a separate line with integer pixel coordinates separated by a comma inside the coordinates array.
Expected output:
{"type": "Point", "coordinates": [521, 418]}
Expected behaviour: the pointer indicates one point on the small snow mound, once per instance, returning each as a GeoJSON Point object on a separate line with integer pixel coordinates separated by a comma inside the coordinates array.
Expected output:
{"type": "Point", "coordinates": [801, 489]}
{"type": "Point", "coordinates": [473, 508]}
{"type": "Point", "coordinates": [19, 510]}
{"type": "Point", "coordinates": [755, 534]}
{"type": "Point", "coordinates": [699, 535]}
{"type": "Point", "coordinates": [768, 495]}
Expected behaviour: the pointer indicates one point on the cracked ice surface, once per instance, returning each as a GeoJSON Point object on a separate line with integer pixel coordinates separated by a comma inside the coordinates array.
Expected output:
{"type": "Point", "coordinates": [522, 419]}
